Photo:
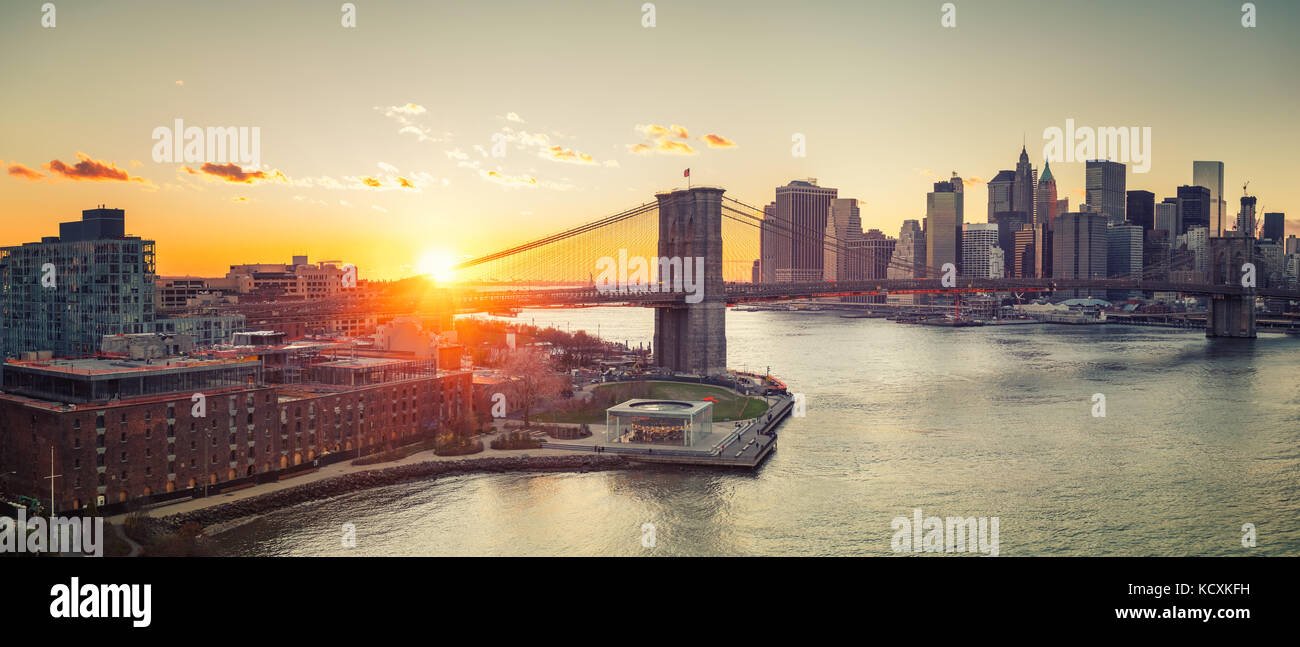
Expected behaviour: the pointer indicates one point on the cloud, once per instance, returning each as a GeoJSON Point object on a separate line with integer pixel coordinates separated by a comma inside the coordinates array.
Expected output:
{"type": "Point", "coordinates": [509, 180]}
{"type": "Point", "coordinates": [511, 116]}
{"type": "Point", "coordinates": [239, 199]}
{"type": "Point", "coordinates": [231, 172]}
{"type": "Point", "coordinates": [378, 208]}
{"type": "Point", "coordinates": [717, 141]}
{"type": "Point", "coordinates": [522, 181]}
{"type": "Point", "coordinates": [653, 130]}
{"type": "Point", "coordinates": [562, 154]}
{"type": "Point", "coordinates": [88, 169]}
{"type": "Point", "coordinates": [410, 181]}
{"type": "Point", "coordinates": [388, 167]}
{"type": "Point", "coordinates": [667, 146]}
{"type": "Point", "coordinates": [673, 140]}
{"type": "Point", "coordinates": [421, 133]}
{"type": "Point", "coordinates": [180, 83]}
{"type": "Point", "coordinates": [408, 109]}
{"type": "Point", "coordinates": [18, 170]}
{"type": "Point", "coordinates": [972, 180]}
{"type": "Point", "coordinates": [403, 115]}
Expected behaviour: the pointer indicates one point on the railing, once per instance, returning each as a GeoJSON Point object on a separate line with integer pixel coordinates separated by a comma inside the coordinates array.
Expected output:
{"type": "Point", "coordinates": [735, 292]}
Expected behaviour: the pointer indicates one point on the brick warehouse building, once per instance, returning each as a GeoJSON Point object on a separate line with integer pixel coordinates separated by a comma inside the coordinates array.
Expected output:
{"type": "Point", "coordinates": [123, 430]}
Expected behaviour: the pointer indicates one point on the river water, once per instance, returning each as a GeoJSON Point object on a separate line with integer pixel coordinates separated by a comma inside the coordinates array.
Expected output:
{"type": "Point", "coordinates": [1198, 438]}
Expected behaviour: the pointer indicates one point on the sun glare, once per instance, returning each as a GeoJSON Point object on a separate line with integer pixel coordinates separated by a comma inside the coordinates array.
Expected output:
{"type": "Point", "coordinates": [437, 265]}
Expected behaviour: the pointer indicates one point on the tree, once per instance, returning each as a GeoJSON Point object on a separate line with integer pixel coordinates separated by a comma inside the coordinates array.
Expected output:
{"type": "Point", "coordinates": [532, 382]}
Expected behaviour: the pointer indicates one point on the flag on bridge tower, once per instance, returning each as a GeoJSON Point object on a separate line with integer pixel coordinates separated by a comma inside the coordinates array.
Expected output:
{"type": "Point", "coordinates": [687, 174]}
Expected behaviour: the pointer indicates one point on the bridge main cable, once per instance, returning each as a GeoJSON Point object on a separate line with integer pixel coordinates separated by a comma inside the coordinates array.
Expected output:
{"type": "Point", "coordinates": [518, 249]}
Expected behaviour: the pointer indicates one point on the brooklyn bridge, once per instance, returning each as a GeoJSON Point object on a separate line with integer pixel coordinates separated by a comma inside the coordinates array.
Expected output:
{"type": "Point", "coordinates": [690, 333]}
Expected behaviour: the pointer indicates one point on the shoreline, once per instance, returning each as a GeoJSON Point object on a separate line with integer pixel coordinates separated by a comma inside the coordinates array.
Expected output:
{"type": "Point", "coordinates": [232, 514]}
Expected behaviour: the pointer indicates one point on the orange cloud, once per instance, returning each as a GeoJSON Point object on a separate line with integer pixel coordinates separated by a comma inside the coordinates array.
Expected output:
{"type": "Point", "coordinates": [233, 173]}
{"type": "Point", "coordinates": [718, 141]}
{"type": "Point", "coordinates": [18, 170]}
{"type": "Point", "coordinates": [665, 146]}
{"type": "Point", "coordinates": [371, 182]}
{"type": "Point", "coordinates": [494, 176]}
{"type": "Point", "coordinates": [653, 130]}
{"type": "Point", "coordinates": [562, 154]}
{"type": "Point", "coordinates": [405, 183]}
{"type": "Point", "coordinates": [90, 169]}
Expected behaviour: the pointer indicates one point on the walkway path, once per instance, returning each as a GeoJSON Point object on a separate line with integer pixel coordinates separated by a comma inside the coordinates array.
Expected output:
{"type": "Point", "coordinates": [329, 471]}
{"type": "Point", "coordinates": [135, 548]}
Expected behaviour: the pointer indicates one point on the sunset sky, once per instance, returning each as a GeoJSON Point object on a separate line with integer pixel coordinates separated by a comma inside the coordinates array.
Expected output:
{"type": "Point", "coordinates": [888, 99]}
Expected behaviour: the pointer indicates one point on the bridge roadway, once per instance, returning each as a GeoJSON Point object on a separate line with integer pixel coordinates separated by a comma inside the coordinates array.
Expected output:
{"type": "Point", "coordinates": [748, 292]}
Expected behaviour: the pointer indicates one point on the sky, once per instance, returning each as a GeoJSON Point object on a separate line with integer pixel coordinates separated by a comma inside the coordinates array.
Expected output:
{"type": "Point", "coordinates": [377, 141]}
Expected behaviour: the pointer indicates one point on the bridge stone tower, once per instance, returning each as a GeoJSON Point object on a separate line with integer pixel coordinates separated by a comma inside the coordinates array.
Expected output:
{"type": "Point", "coordinates": [692, 337]}
{"type": "Point", "coordinates": [1230, 315]}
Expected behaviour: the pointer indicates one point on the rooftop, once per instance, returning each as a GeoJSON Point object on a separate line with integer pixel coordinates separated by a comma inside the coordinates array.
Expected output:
{"type": "Point", "coordinates": [673, 408]}
{"type": "Point", "coordinates": [103, 366]}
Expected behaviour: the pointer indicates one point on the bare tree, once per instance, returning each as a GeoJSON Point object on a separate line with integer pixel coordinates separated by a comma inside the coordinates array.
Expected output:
{"type": "Point", "coordinates": [532, 381]}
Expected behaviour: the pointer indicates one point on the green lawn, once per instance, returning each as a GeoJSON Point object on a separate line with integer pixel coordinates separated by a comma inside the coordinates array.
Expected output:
{"type": "Point", "coordinates": [729, 406]}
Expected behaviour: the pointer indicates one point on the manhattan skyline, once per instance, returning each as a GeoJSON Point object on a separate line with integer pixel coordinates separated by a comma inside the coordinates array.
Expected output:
{"type": "Point", "coordinates": [586, 101]}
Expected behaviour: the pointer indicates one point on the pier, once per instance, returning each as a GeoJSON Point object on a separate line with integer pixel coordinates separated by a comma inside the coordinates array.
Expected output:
{"type": "Point", "coordinates": [747, 446]}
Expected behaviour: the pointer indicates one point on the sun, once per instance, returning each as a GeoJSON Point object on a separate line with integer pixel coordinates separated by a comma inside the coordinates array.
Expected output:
{"type": "Point", "coordinates": [437, 264]}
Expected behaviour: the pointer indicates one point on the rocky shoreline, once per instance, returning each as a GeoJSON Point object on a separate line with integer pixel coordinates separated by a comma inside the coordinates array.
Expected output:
{"type": "Point", "coordinates": [234, 510]}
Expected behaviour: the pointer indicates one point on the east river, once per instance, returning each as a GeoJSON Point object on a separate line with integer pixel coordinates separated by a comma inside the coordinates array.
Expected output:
{"type": "Point", "coordinates": [1199, 437]}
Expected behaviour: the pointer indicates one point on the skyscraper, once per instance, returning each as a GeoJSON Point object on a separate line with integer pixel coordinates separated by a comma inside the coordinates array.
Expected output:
{"type": "Point", "coordinates": [1080, 248]}
{"type": "Point", "coordinates": [1246, 217]}
{"type": "Point", "coordinates": [1124, 251]}
{"type": "Point", "coordinates": [1167, 217]}
{"type": "Point", "coordinates": [1000, 193]}
{"type": "Point", "coordinates": [1105, 184]}
{"type": "Point", "coordinates": [1210, 176]}
{"type": "Point", "coordinates": [64, 293]}
{"type": "Point", "coordinates": [843, 226]}
{"type": "Point", "coordinates": [1274, 224]}
{"type": "Point", "coordinates": [909, 253]}
{"type": "Point", "coordinates": [1140, 209]}
{"type": "Point", "coordinates": [908, 259]}
{"type": "Point", "coordinates": [944, 215]}
{"type": "Point", "coordinates": [1194, 207]}
{"type": "Point", "coordinates": [1009, 222]}
{"type": "Point", "coordinates": [1124, 255]}
{"type": "Point", "coordinates": [872, 253]}
{"type": "Point", "coordinates": [1023, 185]}
{"type": "Point", "coordinates": [978, 241]}
{"type": "Point", "coordinates": [1025, 262]}
{"type": "Point", "coordinates": [1045, 202]}
{"type": "Point", "coordinates": [804, 206]}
